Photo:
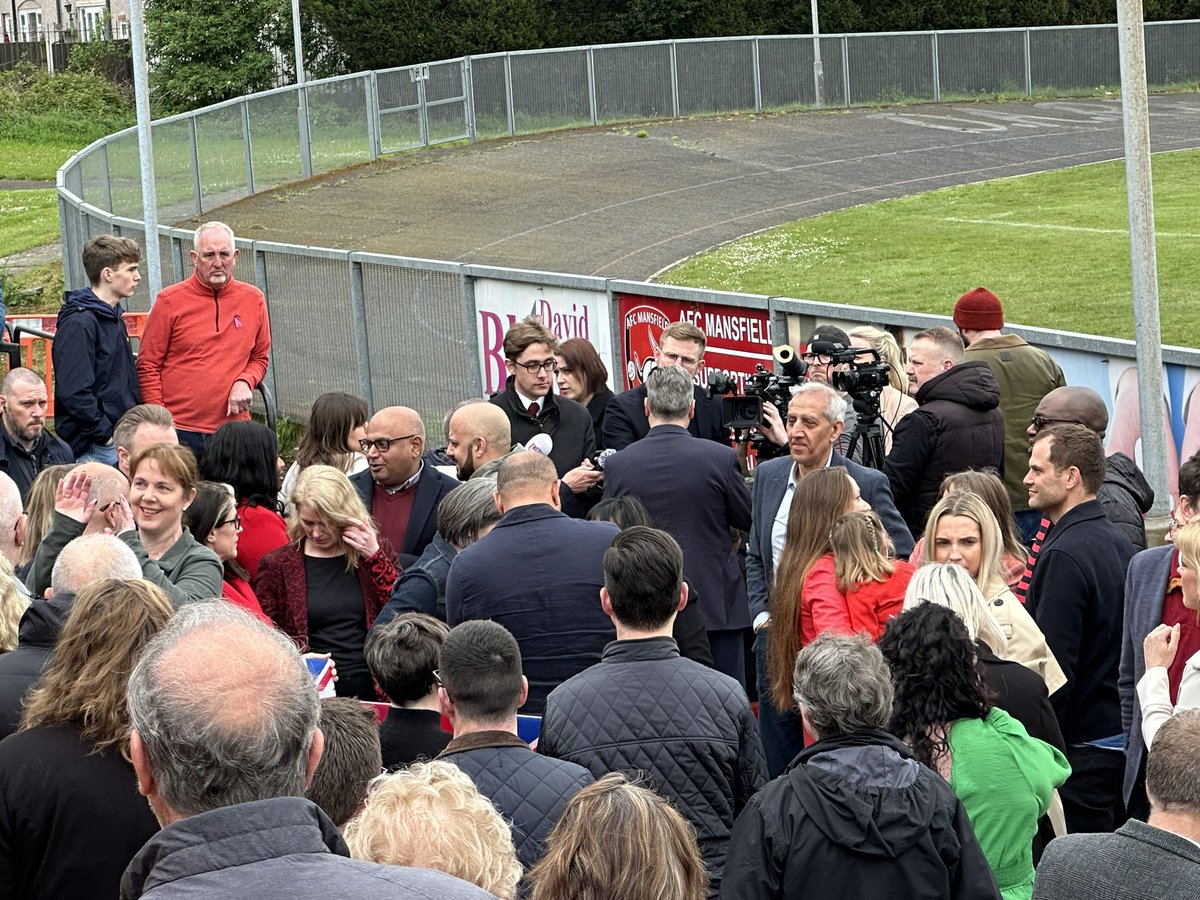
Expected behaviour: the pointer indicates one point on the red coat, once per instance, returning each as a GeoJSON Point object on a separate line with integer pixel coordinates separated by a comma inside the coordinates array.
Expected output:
{"type": "Point", "coordinates": [282, 587]}
{"type": "Point", "coordinates": [238, 592]}
{"type": "Point", "coordinates": [867, 608]}
{"type": "Point", "coordinates": [263, 530]}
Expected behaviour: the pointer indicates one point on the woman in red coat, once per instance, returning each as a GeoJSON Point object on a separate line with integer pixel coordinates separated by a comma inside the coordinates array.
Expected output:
{"type": "Point", "coordinates": [326, 587]}
{"type": "Point", "coordinates": [214, 522]}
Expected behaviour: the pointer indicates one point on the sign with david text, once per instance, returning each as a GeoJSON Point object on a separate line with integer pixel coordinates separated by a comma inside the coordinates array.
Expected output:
{"type": "Point", "coordinates": [567, 312]}
{"type": "Point", "coordinates": [738, 338]}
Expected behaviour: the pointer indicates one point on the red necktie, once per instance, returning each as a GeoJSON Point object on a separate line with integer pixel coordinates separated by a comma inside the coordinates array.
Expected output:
{"type": "Point", "coordinates": [533, 409]}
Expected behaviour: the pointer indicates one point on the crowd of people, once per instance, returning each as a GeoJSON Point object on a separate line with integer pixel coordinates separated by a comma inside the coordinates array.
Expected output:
{"type": "Point", "coordinates": [498, 668]}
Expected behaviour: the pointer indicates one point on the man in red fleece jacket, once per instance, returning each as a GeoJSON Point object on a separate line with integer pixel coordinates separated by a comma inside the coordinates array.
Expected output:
{"type": "Point", "coordinates": [207, 342]}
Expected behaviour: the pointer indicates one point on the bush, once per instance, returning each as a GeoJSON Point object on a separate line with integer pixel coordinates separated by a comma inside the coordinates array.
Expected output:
{"type": "Point", "coordinates": [74, 106]}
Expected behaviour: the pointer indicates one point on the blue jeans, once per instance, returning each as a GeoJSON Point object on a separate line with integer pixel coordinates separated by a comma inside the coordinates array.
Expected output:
{"type": "Point", "coordinates": [781, 732]}
{"type": "Point", "coordinates": [1028, 521]}
{"type": "Point", "coordinates": [101, 453]}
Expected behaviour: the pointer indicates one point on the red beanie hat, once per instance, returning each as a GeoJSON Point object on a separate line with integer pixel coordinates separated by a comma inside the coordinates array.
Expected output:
{"type": "Point", "coordinates": [979, 310]}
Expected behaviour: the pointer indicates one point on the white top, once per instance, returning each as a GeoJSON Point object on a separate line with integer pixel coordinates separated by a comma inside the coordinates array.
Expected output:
{"type": "Point", "coordinates": [1155, 695]}
{"type": "Point", "coordinates": [357, 464]}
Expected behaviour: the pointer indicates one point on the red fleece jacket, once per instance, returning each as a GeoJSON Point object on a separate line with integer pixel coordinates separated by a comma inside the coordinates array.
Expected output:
{"type": "Point", "coordinates": [198, 342]}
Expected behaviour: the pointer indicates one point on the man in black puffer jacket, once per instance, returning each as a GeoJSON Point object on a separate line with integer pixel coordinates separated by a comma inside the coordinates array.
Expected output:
{"type": "Point", "coordinates": [480, 690]}
{"type": "Point", "coordinates": [958, 424]}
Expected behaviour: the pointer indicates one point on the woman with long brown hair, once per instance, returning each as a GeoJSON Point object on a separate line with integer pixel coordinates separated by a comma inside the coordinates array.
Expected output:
{"type": "Point", "coordinates": [72, 818]}
{"type": "Point", "coordinates": [806, 569]}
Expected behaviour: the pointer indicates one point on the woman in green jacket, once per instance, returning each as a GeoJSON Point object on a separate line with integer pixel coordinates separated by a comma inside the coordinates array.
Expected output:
{"type": "Point", "coordinates": [1004, 777]}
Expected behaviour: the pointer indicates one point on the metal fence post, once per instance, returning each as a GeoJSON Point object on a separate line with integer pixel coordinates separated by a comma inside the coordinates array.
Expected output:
{"type": "Point", "coordinates": [177, 257]}
{"type": "Point", "coordinates": [591, 74]}
{"type": "Point", "coordinates": [106, 183]}
{"type": "Point", "coordinates": [305, 137]}
{"type": "Point", "coordinates": [846, 69]}
{"type": "Point", "coordinates": [937, 75]}
{"type": "Point", "coordinates": [247, 150]}
{"type": "Point", "coordinates": [196, 191]}
{"type": "Point", "coordinates": [1028, 67]}
{"type": "Point", "coordinates": [470, 335]}
{"type": "Point", "coordinates": [757, 77]}
{"type": "Point", "coordinates": [508, 94]}
{"type": "Point", "coordinates": [362, 349]}
{"type": "Point", "coordinates": [260, 278]}
{"type": "Point", "coordinates": [468, 85]}
{"type": "Point", "coordinates": [674, 82]}
{"type": "Point", "coordinates": [372, 90]}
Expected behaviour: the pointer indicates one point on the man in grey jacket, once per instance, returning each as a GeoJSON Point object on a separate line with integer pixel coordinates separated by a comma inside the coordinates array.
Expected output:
{"type": "Point", "coordinates": [224, 741]}
{"type": "Point", "coordinates": [1151, 860]}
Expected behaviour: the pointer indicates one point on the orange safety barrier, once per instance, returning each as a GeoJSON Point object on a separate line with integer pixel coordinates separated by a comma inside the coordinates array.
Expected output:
{"type": "Point", "coordinates": [35, 349]}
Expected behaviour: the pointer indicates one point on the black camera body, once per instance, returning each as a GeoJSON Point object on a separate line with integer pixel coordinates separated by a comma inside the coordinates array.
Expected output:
{"type": "Point", "coordinates": [865, 380]}
{"type": "Point", "coordinates": [745, 410]}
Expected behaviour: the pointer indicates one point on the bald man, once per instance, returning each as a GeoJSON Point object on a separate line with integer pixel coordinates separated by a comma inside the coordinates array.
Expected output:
{"type": "Point", "coordinates": [479, 437]}
{"type": "Point", "coordinates": [1125, 495]}
{"type": "Point", "coordinates": [12, 523]}
{"type": "Point", "coordinates": [399, 490]}
{"type": "Point", "coordinates": [538, 573]}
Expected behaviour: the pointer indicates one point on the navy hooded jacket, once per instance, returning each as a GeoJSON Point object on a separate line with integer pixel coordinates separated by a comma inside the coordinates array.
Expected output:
{"type": "Point", "coordinates": [95, 381]}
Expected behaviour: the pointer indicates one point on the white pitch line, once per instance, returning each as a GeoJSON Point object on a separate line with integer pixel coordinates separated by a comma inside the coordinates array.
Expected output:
{"type": "Point", "coordinates": [1188, 235]}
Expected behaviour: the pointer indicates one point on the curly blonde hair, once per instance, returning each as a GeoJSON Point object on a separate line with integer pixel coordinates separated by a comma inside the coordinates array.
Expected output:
{"type": "Point", "coordinates": [110, 623]}
{"type": "Point", "coordinates": [432, 816]}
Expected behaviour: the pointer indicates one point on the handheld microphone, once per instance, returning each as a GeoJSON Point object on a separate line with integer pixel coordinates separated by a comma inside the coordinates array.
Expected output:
{"type": "Point", "coordinates": [540, 443]}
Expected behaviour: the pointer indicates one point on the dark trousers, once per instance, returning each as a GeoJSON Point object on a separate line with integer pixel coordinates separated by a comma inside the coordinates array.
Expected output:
{"type": "Point", "coordinates": [1092, 795]}
{"type": "Point", "coordinates": [781, 732]}
{"type": "Point", "coordinates": [729, 653]}
{"type": "Point", "coordinates": [194, 441]}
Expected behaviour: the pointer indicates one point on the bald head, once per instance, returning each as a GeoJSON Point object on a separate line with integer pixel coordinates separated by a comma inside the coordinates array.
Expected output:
{"type": "Point", "coordinates": [403, 432]}
{"type": "Point", "coordinates": [478, 433]}
{"type": "Point", "coordinates": [223, 711]}
{"type": "Point", "coordinates": [107, 483]}
{"type": "Point", "coordinates": [12, 519]}
{"type": "Point", "coordinates": [1075, 405]}
{"type": "Point", "coordinates": [526, 478]}
{"type": "Point", "coordinates": [91, 558]}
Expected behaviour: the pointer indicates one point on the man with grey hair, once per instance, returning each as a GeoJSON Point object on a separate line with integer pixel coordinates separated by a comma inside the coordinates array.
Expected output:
{"type": "Point", "coordinates": [83, 561]}
{"type": "Point", "coordinates": [855, 815]}
{"type": "Point", "coordinates": [141, 426]}
{"type": "Point", "coordinates": [957, 424]}
{"type": "Point", "coordinates": [13, 522]}
{"type": "Point", "coordinates": [815, 420]}
{"type": "Point", "coordinates": [26, 445]}
{"type": "Point", "coordinates": [1141, 860]}
{"type": "Point", "coordinates": [670, 464]}
{"type": "Point", "coordinates": [465, 515]}
{"type": "Point", "coordinates": [224, 743]}
{"type": "Point", "coordinates": [210, 330]}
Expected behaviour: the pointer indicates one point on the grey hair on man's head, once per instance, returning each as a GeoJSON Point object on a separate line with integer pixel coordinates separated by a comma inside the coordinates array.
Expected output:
{"type": "Point", "coordinates": [225, 710]}
{"type": "Point", "coordinates": [20, 377]}
{"type": "Point", "coordinates": [466, 511]}
{"type": "Point", "coordinates": [10, 504]}
{"type": "Point", "coordinates": [211, 226]}
{"type": "Point", "coordinates": [669, 391]}
{"type": "Point", "coordinates": [844, 684]}
{"type": "Point", "coordinates": [90, 558]}
{"type": "Point", "coordinates": [836, 407]}
{"type": "Point", "coordinates": [1173, 766]}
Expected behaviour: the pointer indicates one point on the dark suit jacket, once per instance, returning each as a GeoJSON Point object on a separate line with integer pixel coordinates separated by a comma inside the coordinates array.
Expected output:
{"type": "Point", "coordinates": [422, 523]}
{"type": "Point", "coordinates": [694, 490]}
{"type": "Point", "coordinates": [538, 573]}
{"type": "Point", "coordinates": [770, 483]}
{"type": "Point", "coordinates": [1138, 861]}
{"type": "Point", "coordinates": [625, 420]}
{"type": "Point", "coordinates": [1145, 591]}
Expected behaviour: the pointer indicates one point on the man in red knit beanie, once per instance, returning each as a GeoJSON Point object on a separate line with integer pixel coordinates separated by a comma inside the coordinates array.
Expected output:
{"type": "Point", "coordinates": [1025, 374]}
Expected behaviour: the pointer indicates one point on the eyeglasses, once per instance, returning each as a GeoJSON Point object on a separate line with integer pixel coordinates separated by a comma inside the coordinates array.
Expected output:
{"type": "Point", "coordinates": [818, 359]}
{"type": "Point", "coordinates": [383, 445]}
{"type": "Point", "coordinates": [437, 678]}
{"type": "Point", "coordinates": [534, 367]}
{"type": "Point", "coordinates": [1040, 422]}
{"type": "Point", "coordinates": [676, 359]}
{"type": "Point", "coordinates": [236, 520]}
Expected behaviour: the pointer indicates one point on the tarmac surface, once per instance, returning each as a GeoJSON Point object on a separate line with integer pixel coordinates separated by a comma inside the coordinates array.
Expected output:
{"type": "Point", "coordinates": [603, 201]}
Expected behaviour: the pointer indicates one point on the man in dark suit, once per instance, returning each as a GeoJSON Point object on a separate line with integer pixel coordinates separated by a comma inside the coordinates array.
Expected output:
{"type": "Point", "coordinates": [816, 417]}
{"type": "Point", "coordinates": [1153, 597]}
{"type": "Point", "coordinates": [1075, 595]}
{"type": "Point", "coordinates": [1142, 861]}
{"type": "Point", "coordinates": [694, 490]}
{"type": "Point", "coordinates": [625, 420]}
{"type": "Point", "coordinates": [538, 573]}
{"type": "Point", "coordinates": [399, 490]}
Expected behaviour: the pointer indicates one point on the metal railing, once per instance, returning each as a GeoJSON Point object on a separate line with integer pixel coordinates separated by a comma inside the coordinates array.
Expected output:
{"type": "Point", "coordinates": [394, 329]}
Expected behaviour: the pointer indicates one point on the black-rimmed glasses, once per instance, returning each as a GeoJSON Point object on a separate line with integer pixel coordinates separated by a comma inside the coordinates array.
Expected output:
{"type": "Point", "coordinates": [383, 445]}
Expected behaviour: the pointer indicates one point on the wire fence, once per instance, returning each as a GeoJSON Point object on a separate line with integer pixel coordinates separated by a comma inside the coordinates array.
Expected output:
{"type": "Point", "coordinates": [389, 314]}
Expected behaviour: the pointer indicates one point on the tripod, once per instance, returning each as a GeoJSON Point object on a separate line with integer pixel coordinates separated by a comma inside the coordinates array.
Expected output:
{"type": "Point", "coordinates": [868, 428]}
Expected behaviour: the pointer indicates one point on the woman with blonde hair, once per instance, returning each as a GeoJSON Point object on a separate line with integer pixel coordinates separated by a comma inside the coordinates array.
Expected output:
{"type": "Point", "coordinates": [894, 402]}
{"type": "Point", "coordinates": [805, 599]}
{"type": "Point", "coordinates": [72, 818]}
{"type": "Point", "coordinates": [12, 606]}
{"type": "Point", "coordinates": [616, 839]}
{"type": "Point", "coordinates": [326, 587]}
{"type": "Point", "coordinates": [871, 582]}
{"type": "Point", "coordinates": [432, 816]}
{"type": "Point", "coordinates": [962, 530]}
{"type": "Point", "coordinates": [39, 511]}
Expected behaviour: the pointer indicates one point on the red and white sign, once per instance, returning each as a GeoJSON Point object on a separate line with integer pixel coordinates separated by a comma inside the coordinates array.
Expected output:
{"type": "Point", "coordinates": [738, 338]}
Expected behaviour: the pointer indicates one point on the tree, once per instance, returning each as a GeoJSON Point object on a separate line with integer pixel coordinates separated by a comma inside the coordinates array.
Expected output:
{"type": "Point", "coordinates": [204, 54]}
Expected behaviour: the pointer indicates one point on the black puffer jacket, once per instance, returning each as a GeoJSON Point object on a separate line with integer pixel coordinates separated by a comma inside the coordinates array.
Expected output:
{"type": "Point", "coordinates": [644, 708]}
{"type": "Point", "coordinates": [957, 426]}
{"type": "Point", "coordinates": [529, 790]}
{"type": "Point", "coordinates": [1126, 496]}
{"type": "Point", "coordinates": [21, 669]}
{"type": "Point", "coordinates": [855, 816]}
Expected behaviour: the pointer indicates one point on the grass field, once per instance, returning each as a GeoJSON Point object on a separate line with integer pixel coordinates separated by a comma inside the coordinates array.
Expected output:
{"type": "Point", "coordinates": [1054, 247]}
{"type": "Point", "coordinates": [30, 220]}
